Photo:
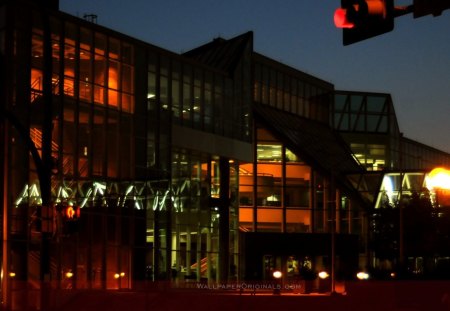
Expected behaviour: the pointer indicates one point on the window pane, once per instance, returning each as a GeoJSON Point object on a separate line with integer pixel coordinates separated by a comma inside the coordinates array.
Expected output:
{"type": "Point", "coordinates": [99, 70]}
{"type": "Point", "coordinates": [127, 79]}
{"type": "Point", "coordinates": [114, 48]}
{"type": "Point", "coordinates": [100, 44]}
{"type": "Point", "coordinates": [127, 103]}
{"type": "Point", "coordinates": [113, 75]}
{"type": "Point", "coordinates": [113, 98]}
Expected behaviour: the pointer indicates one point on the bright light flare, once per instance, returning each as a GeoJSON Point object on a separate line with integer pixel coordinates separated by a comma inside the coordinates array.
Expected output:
{"type": "Point", "coordinates": [439, 178]}
{"type": "Point", "coordinates": [323, 275]}
{"type": "Point", "coordinates": [340, 19]}
{"type": "Point", "coordinates": [362, 275]}
{"type": "Point", "coordinates": [388, 187]}
{"type": "Point", "coordinates": [277, 274]}
{"type": "Point", "coordinates": [119, 275]}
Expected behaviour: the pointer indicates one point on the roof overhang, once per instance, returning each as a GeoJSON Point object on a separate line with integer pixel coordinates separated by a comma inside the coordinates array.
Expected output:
{"type": "Point", "coordinates": [314, 142]}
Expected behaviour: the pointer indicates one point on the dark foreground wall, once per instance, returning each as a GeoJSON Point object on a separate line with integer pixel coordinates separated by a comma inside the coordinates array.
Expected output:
{"type": "Point", "coordinates": [386, 296]}
{"type": "Point", "coordinates": [254, 245]}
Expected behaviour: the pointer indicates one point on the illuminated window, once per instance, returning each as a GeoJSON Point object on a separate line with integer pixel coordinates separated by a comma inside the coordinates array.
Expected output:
{"type": "Point", "coordinates": [113, 83]}
{"type": "Point", "coordinates": [269, 152]}
{"type": "Point", "coordinates": [85, 84]}
{"type": "Point", "coordinates": [36, 79]}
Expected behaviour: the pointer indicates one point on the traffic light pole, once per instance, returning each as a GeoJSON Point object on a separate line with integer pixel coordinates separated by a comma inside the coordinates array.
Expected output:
{"type": "Point", "coordinates": [364, 19]}
{"type": "Point", "coordinates": [45, 178]}
{"type": "Point", "coordinates": [427, 7]}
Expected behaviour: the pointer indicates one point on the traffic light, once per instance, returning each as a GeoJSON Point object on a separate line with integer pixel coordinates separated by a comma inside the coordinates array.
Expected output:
{"type": "Point", "coordinates": [363, 19]}
{"type": "Point", "coordinates": [69, 215]}
{"type": "Point", "coordinates": [68, 212]}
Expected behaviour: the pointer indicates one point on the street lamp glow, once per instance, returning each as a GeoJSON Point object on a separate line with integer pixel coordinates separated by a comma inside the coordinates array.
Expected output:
{"type": "Point", "coordinates": [277, 274]}
{"type": "Point", "coordinates": [362, 275]}
{"type": "Point", "coordinates": [119, 275]}
{"type": "Point", "coordinates": [323, 275]}
{"type": "Point", "coordinates": [439, 178]}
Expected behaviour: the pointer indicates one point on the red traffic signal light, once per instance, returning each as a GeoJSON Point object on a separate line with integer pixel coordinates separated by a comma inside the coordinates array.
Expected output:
{"type": "Point", "coordinates": [363, 19]}
{"type": "Point", "coordinates": [71, 212]}
{"type": "Point", "coordinates": [69, 216]}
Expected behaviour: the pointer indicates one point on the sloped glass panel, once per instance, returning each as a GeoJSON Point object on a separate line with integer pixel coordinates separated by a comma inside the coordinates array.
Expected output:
{"type": "Point", "coordinates": [339, 102]}
{"type": "Point", "coordinates": [372, 122]}
{"type": "Point", "coordinates": [360, 126]}
{"type": "Point", "coordinates": [375, 103]}
{"type": "Point", "coordinates": [383, 128]}
{"type": "Point", "coordinates": [356, 103]}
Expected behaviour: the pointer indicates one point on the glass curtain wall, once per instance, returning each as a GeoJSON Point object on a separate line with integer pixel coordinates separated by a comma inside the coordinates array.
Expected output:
{"type": "Point", "coordinates": [93, 149]}
{"type": "Point", "coordinates": [368, 123]}
{"type": "Point", "coordinates": [291, 91]}
{"type": "Point", "coordinates": [183, 224]}
{"type": "Point", "coordinates": [410, 220]}
{"type": "Point", "coordinates": [93, 81]}
{"type": "Point", "coordinates": [280, 193]}
{"type": "Point", "coordinates": [284, 201]}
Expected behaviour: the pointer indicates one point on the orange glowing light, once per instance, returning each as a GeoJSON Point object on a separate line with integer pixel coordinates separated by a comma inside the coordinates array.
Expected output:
{"type": "Point", "coordinates": [340, 19]}
{"type": "Point", "coordinates": [439, 178]}
{"type": "Point", "coordinates": [70, 212]}
{"type": "Point", "coordinates": [377, 8]}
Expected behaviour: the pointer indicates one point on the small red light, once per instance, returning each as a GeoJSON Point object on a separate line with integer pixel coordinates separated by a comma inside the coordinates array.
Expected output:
{"type": "Point", "coordinates": [340, 19]}
{"type": "Point", "coordinates": [70, 212]}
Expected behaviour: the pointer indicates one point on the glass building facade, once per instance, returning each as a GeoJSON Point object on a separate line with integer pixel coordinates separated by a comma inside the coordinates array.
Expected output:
{"type": "Point", "coordinates": [405, 205]}
{"type": "Point", "coordinates": [124, 163]}
{"type": "Point", "coordinates": [149, 208]}
{"type": "Point", "coordinates": [368, 123]}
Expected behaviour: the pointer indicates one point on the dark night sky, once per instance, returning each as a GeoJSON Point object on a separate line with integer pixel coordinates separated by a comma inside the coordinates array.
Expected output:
{"type": "Point", "coordinates": [412, 63]}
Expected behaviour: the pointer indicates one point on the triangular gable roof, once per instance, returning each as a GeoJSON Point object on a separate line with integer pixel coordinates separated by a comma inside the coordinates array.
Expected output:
{"type": "Point", "coordinates": [222, 54]}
